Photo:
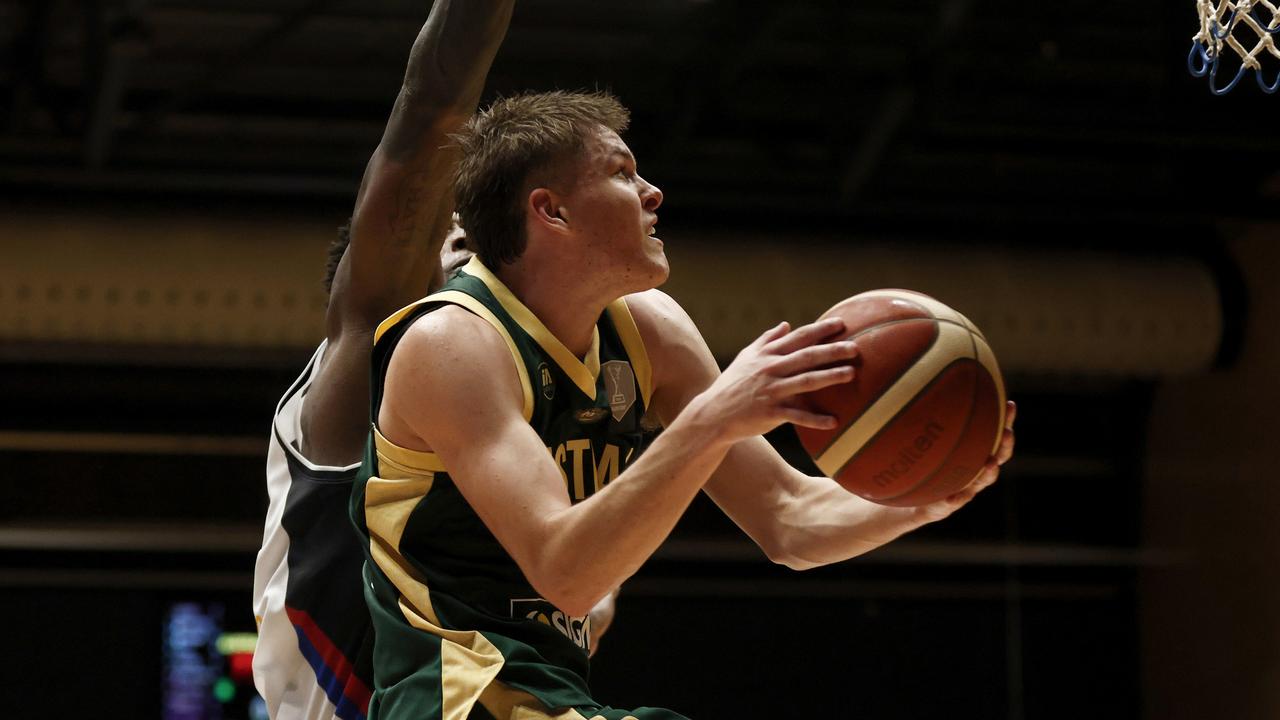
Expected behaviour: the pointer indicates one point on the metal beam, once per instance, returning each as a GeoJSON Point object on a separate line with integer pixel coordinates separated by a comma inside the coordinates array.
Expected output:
{"type": "Point", "coordinates": [28, 61]}
{"type": "Point", "coordinates": [901, 99]}
{"type": "Point", "coordinates": [115, 39]}
{"type": "Point", "coordinates": [131, 443]}
{"type": "Point", "coordinates": [229, 64]}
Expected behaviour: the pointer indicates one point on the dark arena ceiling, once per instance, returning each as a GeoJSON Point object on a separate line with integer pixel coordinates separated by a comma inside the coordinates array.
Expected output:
{"type": "Point", "coordinates": [1006, 120]}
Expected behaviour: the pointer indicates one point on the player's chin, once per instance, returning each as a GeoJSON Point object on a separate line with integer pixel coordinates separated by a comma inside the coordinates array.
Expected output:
{"type": "Point", "coordinates": [658, 268]}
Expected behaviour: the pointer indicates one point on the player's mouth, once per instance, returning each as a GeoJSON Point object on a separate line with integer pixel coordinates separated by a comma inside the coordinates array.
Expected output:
{"type": "Point", "coordinates": [652, 230]}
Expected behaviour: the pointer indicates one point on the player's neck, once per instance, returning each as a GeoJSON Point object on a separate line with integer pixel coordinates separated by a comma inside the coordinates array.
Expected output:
{"type": "Point", "coordinates": [567, 306]}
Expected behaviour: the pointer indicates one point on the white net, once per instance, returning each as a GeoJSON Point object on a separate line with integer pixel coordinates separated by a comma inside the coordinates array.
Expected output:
{"type": "Point", "coordinates": [1235, 36]}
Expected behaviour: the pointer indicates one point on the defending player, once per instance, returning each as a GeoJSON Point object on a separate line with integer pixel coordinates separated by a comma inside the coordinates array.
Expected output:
{"type": "Point", "coordinates": [313, 654]}
{"type": "Point", "coordinates": [504, 489]}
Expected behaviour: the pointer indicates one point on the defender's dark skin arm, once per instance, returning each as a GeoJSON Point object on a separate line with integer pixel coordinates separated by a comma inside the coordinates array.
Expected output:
{"type": "Point", "coordinates": [403, 212]}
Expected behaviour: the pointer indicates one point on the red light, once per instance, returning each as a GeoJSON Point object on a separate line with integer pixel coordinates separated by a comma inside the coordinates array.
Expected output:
{"type": "Point", "coordinates": [240, 667]}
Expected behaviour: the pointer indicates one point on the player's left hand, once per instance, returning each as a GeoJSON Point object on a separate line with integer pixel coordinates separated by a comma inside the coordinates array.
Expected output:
{"type": "Point", "coordinates": [942, 508]}
{"type": "Point", "coordinates": [601, 619]}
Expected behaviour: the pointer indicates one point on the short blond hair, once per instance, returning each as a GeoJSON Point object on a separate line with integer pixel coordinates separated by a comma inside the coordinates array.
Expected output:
{"type": "Point", "coordinates": [517, 140]}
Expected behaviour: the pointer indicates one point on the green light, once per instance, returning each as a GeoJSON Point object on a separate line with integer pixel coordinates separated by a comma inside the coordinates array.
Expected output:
{"type": "Point", "coordinates": [232, 643]}
{"type": "Point", "coordinates": [224, 690]}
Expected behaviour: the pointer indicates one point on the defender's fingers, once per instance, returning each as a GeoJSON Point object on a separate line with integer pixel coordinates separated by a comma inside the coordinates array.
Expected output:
{"type": "Point", "coordinates": [812, 380]}
{"type": "Point", "coordinates": [815, 356]}
{"type": "Point", "coordinates": [806, 335]}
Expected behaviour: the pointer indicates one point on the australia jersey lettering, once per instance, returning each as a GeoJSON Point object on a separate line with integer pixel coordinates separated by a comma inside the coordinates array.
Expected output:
{"type": "Point", "coordinates": [455, 620]}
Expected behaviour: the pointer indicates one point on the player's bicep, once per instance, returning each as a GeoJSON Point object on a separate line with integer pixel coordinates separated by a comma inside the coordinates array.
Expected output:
{"type": "Point", "coordinates": [753, 485]}
{"type": "Point", "coordinates": [756, 487]}
{"type": "Point", "coordinates": [683, 365]}
{"type": "Point", "coordinates": [453, 388]}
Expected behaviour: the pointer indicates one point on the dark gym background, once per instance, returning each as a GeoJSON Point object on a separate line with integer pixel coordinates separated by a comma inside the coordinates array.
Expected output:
{"type": "Point", "coordinates": [171, 172]}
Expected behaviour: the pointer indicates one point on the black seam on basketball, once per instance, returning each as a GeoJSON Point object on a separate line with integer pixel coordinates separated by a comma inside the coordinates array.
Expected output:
{"type": "Point", "coordinates": [893, 382]}
{"type": "Point", "coordinates": [968, 420]}
{"type": "Point", "coordinates": [937, 378]}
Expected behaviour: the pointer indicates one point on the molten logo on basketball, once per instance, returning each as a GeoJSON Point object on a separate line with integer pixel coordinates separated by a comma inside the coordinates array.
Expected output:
{"type": "Point", "coordinates": [909, 455]}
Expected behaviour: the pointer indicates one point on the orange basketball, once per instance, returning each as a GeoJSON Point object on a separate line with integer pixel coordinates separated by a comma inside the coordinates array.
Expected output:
{"type": "Point", "coordinates": [925, 408]}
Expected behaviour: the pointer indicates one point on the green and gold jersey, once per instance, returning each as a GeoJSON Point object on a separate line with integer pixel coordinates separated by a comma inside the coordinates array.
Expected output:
{"type": "Point", "coordinates": [456, 621]}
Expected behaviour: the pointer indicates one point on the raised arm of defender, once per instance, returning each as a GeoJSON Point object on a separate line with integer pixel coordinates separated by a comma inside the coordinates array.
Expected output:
{"type": "Point", "coordinates": [405, 203]}
{"type": "Point", "coordinates": [451, 359]}
{"type": "Point", "coordinates": [403, 212]}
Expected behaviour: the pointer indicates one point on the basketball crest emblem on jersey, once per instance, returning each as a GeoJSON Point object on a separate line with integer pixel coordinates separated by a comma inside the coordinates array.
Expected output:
{"type": "Point", "coordinates": [548, 385]}
{"type": "Point", "coordinates": [620, 387]}
{"type": "Point", "coordinates": [592, 415]}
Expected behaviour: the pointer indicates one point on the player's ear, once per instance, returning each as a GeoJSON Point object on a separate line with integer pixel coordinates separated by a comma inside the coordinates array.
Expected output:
{"type": "Point", "coordinates": [545, 208]}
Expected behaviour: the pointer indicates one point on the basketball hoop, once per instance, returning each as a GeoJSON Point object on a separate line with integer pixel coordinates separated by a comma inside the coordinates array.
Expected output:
{"type": "Point", "coordinates": [1229, 27]}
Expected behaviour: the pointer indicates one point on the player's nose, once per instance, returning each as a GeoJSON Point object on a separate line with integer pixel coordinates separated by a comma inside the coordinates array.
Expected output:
{"type": "Point", "coordinates": [651, 196]}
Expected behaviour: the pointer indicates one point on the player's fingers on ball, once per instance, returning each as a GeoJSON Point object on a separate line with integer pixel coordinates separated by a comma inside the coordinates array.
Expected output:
{"type": "Point", "coordinates": [816, 355]}
{"type": "Point", "coordinates": [987, 475]}
{"type": "Point", "coordinates": [804, 418]}
{"type": "Point", "coordinates": [806, 335]}
{"type": "Point", "coordinates": [1010, 413]}
{"type": "Point", "coordinates": [1006, 448]}
{"type": "Point", "coordinates": [981, 481]}
{"type": "Point", "coordinates": [813, 380]}
{"type": "Point", "coordinates": [986, 478]}
{"type": "Point", "coordinates": [773, 333]}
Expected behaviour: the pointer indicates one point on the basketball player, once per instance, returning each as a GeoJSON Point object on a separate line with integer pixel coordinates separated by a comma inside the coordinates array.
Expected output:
{"type": "Point", "coordinates": [313, 655]}
{"type": "Point", "coordinates": [505, 491]}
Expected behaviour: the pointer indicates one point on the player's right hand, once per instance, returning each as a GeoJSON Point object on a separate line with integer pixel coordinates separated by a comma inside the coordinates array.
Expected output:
{"type": "Point", "coordinates": [760, 388]}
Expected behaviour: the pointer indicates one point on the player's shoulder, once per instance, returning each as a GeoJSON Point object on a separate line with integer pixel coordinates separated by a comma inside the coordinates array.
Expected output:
{"type": "Point", "coordinates": [675, 346]}
{"type": "Point", "coordinates": [455, 359]}
{"type": "Point", "coordinates": [451, 336]}
{"type": "Point", "coordinates": [657, 315]}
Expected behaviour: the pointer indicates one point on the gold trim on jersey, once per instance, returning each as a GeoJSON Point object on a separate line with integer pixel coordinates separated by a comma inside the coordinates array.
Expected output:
{"type": "Point", "coordinates": [477, 308]}
{"type": "Point", "coordinates": [404, 460]}
{"type": "Point", "coordinates": [469, 661]}
{"type": "Point", "coordinates": [465, 675]}
{"type": "Point", "coordinates": [394, 318]}
{"type": "Point", "coordinates": [584, 372]}
{"type": "Point", "coordinates": [625, 324]}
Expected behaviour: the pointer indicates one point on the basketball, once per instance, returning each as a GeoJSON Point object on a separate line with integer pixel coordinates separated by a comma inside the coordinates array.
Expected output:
{"type": "Point", "coordinates": [924, 410]}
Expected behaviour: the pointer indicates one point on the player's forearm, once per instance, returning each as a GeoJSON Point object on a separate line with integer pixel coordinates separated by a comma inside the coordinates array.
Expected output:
{"type": "Point", "coordinates": [625, 522]}
{"type": "Point", "coordinates": [824, 523]}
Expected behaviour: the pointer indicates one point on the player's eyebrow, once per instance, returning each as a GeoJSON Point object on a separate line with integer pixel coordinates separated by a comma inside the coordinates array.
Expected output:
{"type": "Point", "coordinates": [623, 153]}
